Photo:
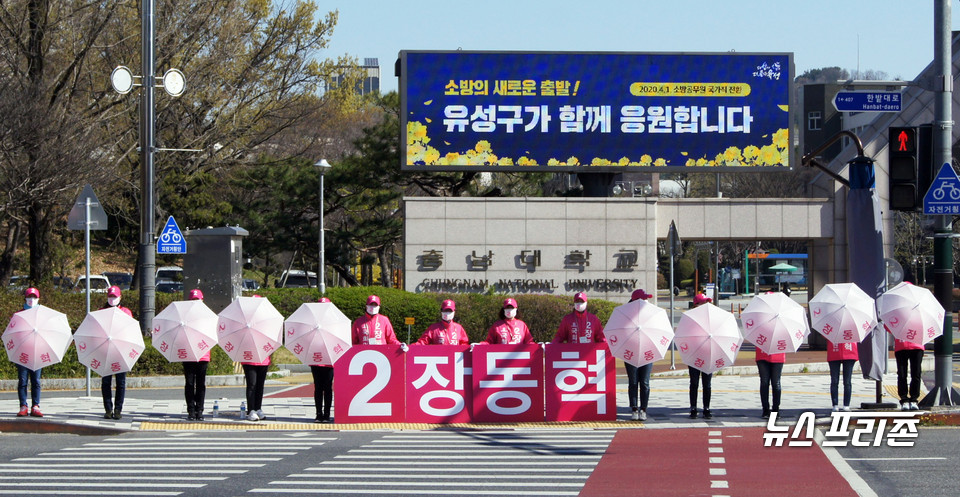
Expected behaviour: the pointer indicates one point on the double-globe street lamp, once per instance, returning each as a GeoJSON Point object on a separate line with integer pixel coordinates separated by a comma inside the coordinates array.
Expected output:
{"type": "Point", "coordinates": [323, 165]}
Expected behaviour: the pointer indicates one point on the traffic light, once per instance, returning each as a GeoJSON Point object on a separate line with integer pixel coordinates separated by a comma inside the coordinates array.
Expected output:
{"type": "Point", "coordinates": [902, 151]}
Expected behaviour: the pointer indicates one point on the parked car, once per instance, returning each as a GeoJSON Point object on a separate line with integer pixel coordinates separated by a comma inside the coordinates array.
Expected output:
{"type": "Point", "coordinates": [98, 284]}
{"type": "Point", "coordinates": [250, 284]}
{"type": "Point", "coordinates": [296, 279]}
{"type": "Point", "coordinates": [171, 273]}
{"type": "Point", "coordinates": [122, 280]}
{"type": "Point", "coordinates": [169, 286]}
{"type": "Point", "coordinates": [18, 282]}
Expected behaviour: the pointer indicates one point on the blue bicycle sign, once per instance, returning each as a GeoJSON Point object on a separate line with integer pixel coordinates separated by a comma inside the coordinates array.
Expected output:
{"type": "Point", "coordinates": [943, 197]}
{"type": "Point", "coordinates": [171, 239]}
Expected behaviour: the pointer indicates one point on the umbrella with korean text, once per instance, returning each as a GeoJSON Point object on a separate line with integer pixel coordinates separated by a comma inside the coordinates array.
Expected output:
{"type": "Point", "coordinates": [250, 329]}
{"type": "Point", "coordinates": [37, 337]}
{"type": "Point", "coordinates": [108, 341]}
{"type": "Point", "coordinates": [911, 313]}
{"type": "Point", "coordinates": [775, 323]}
{"type": "Point", "coordinates": [843, 313]}
{"type": "Point", "coordinates": [185, 331]}
{"type": "Point", "coordinates": [638, 332]}
{"type": "Point", "coordinates": [317, 333]}
{"type": "Point", "coordinates": [708, 338]}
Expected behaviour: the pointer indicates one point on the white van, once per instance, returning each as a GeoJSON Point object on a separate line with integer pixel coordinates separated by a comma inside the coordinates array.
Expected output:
{"type": "Point", "coordinates": [169, 273]}
{"type": "Point", "coordinates": [98, 284]}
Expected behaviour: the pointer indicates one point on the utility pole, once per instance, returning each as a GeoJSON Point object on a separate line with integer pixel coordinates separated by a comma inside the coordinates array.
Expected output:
{"type": "Point", "coordinates": [943, 227]}
{"type": "Point", "coordinates": [148, 245]}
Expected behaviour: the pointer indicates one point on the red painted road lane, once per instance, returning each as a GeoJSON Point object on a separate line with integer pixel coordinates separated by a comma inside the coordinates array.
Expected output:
{"type": "Point", "coordinates": [675, 462]}
{"type": "Point", "coordinates": [300, 391]}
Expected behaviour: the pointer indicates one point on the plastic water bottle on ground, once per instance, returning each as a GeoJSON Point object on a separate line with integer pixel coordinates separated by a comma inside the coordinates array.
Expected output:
{"type": "Point", "coordinates": [216, 408]}
{"type": "Point", "coordinates": [243, 409]}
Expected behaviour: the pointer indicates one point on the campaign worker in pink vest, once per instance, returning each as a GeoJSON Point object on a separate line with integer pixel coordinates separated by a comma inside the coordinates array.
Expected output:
{"type": "Point", "coordinates": [195, 377]}
{"type": "Point", "coordinates": [845, 355]}
{"type": "Point", "coordinates": [374, 328]}
{"type": "Point", "coordinates": [446, 331]}
{"type": "Point", "coordinates": [508, 329]}
{"type": "Point", "coordinates": [579, 326]}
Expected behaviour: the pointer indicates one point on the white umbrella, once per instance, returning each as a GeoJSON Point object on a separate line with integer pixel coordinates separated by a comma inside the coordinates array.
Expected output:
{"type": "Point", "coordinates": [638, 332]}
{"type": "Point", "coordinates": [843, 313]}
{"type": "Point", "coordinates": [37, 337]}
{"type": "Point", "coordinates": [185, 331]}
{"type": "Point", "coordinates": [108, 341]}
{"type": "Point", "coordinates": [250, 329]}
{"type": "Point", "coordinates": [708, 338]}
{"type": "Point", "coordinates": [775, 323]}
{"type": "Point", "coordinates": [317, 333]}
{"type": "Point", "coordinates": [911, 313]}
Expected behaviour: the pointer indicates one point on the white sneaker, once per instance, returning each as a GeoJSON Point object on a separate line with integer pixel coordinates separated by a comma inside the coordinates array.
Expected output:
{"type": "Point", "coordinates": [252, 416]}
{"type": "Point", "coordinates": [643, 415]}
{"type": "Point", "coordinates": [904, 406]}
{"type": "Point", "coordinates": [846, 409]}
{"type": "Point", "coordinates": [914, 406]}
{"type": "Point", "coordinates": [634, 416]}
{"type": "Point", "coordinates": [261, 415]}
{"type": "Point", "coordinates": [836, 408]}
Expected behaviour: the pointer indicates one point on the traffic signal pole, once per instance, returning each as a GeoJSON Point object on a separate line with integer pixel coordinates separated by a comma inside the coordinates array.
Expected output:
{"type": "Point", "coordinates": [943, 392]}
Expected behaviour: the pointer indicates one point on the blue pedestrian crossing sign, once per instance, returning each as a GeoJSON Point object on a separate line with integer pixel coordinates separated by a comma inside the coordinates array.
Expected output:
{"type": "Point", "coordinates": [171, 240]}
{"type": "Point", "coordinates": [943, 197]}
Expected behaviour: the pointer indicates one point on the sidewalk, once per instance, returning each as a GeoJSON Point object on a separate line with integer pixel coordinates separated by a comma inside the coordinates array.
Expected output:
{"type": "Point", "coordinates": [735, 403]}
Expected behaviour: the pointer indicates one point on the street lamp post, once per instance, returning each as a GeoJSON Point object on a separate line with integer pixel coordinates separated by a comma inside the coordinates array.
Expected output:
{"type": "Point", "coordinates": [323, 165]}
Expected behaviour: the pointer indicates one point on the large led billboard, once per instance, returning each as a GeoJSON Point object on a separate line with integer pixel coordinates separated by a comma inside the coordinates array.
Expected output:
{"type": "Point", "coordinates": [546, 111]}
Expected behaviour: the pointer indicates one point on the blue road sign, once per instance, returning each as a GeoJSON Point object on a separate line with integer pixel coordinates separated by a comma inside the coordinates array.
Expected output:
{"type": "Point", "coordinates": [171, 240]}
{"type": "Point", "coordinates": [943, 197]}
{"type": "Point", "coordinates": [867, 101]}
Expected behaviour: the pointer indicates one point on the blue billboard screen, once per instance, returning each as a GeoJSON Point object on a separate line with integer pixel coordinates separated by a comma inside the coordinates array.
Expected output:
{"type": "Point", "coordinates": [541, 111]}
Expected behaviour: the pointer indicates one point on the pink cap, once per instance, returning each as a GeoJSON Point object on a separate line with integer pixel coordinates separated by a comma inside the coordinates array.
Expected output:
{"type": "Point", "coordinates": [510, 303]}
{"type": "Point", "coordinates": [31, 292]}
{"type": "Point", "coordinates": [196, 294]}
{"type": "Point", "coordinates": [113, 291]}
{"type": "Point", "coordinates": [580, 297]}
{"type": "Point", "coordinates": [448, 305]}
{"type": "Point", "coordinates": [639, 294]}
{"type": "Point", "coordinates": [701, 299]}
{"type": "Point", "coordinates": [323, 299]}
{"type": "Point", "coordinates": [373, 299]}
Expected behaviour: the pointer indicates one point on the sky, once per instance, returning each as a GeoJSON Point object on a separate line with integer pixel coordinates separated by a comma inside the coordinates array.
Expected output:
{"type": "Point", "coordinates": [893, 36]}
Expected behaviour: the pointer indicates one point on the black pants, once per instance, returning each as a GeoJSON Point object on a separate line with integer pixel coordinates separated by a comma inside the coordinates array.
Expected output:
{"type": "Point", "coordinates": [769, 376]}
{"type": "Point", "coordinates": [638, 379]}
{"type": "Point", "coordinates": [195, 385]}
{"type": "Point", "coordinates": [913, 358]}
{"type": "Point", "coordinates": [106, 390]}
{"type": "Point", "coordinates": [695, 377]}
{"type": "Point", "coordinates": [835, 367]}
{"type": "Point", "coordinates": [322, 390]}
{"type": "Point", "coordinates": [255, 376]}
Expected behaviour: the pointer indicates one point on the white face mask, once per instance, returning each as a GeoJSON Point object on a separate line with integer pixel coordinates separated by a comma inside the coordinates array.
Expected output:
{"type": "Point", "coordinates": [446, 315]}
{"type": "Point", "coordinates": [510, 313]}
{"type": "Point", "coordinates": [113, 301]}
{"type": "Point", "coordinates": [32, 301]}
{"type": "Point", "coordinates": [373, 310]}
{"type": "Point", "coordinates": [579, 306]}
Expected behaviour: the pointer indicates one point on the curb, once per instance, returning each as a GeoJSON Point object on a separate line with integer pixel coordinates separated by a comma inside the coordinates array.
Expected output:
{"type": "Point", "coordinates": [55, 427]}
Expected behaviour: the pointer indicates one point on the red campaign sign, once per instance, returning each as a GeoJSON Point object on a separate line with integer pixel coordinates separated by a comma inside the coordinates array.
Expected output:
{"type": "Point", "coordinates": [369, 385]}
{"type": "Point", "coordinates": [580, 382]}
{"type": "Point", "coordinates": [437, 388]}
{"type": "Point", "coordinates": [507, 383]}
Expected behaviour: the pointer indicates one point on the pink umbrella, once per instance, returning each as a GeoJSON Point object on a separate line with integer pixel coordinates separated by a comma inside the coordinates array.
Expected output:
{"type": "Point", "coordinates": [708, 338]}
{"type": "Point", "coordinates": [638, 332]}
{"type": "Point", "coordinates": [250, 329]}
{"type": "Point", "coordinates": [775, 323]}
{"type": "Point", "coordinates": [37, 337]}
{"type": "Point", "coordinates": [185, 331]}
{"type": "Point", "coordinates": [317, 333]}
{"type": "Point", "coordinates": [109, 341]}
{"type": "Point", "coordinates": [843, 313]}
{"type": "Point", "coordinates": [911, 313]}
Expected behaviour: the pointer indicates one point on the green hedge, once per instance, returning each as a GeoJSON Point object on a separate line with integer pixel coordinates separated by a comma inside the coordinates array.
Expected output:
{"type": "Point", "coordinates": [476, 313]}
